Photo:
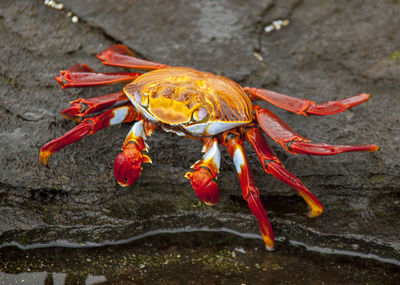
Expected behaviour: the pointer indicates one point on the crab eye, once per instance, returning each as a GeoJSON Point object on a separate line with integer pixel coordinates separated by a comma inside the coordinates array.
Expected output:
{"type": "Point", "coordinates": [200, 114]}
{"type": "Point", "coordinates": [140, 98]}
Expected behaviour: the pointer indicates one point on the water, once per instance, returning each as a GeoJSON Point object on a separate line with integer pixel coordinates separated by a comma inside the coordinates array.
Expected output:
{"type": "Point", "coordinates": [191, 256]}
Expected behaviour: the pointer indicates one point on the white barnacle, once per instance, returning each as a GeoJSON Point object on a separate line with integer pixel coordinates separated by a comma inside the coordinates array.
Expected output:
{"type": "Point", "coordinates": [276, 25]}
{"type": "Point", "coordinates": [74, 19]}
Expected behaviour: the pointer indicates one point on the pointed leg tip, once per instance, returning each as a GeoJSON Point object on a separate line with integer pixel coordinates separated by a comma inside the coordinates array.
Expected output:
{"type": "Point", "coordinates": [269, 243]}
{"type": "Point", "coordinates": [314, 213]}
{"type": "Point", "coordinates": [146, 159]}
{"type": "Point", "coordinates": [362, 97]}
{"type": "Point", "coordinates": [210, 203]}
{"type": "Point", "coordinates": [45, 164]}
{"type": "Point", "coordinates": [374, 148]}
{"type": "Point", "coordinates": [259, 212]}
{"type": "Point", "coordinates": [369, 148]}
{"type": "Point", "coordinates": [127, 181]}
{"type": "Point", "coordinates": [366, 95]}
{"type": "Point", "coordinates": [76, 119]}
{"type": "Point", "coordinates": [60, 79]}
{"type": "Point", "coordinates": [123, 184]}
{"type": "Point", "coordinates": [188, 175]}
{"type": "Point", "coordinates": [44, 158]}
{"type": "Point", "coordinates": [269, 248]}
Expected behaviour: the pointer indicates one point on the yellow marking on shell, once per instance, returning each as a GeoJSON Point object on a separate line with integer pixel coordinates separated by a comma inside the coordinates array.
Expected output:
{"type": "Point", "coordinates": [201, 84]}
{"type": "Point", "coordinates": [181, 79]}
{"type": "Point", "coordinates": [170, 111]}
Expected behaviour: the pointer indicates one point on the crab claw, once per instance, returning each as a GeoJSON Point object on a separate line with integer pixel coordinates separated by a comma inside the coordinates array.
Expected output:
{"type": "Point", "coordinates": [81, 107]}
{"type": "Point", "coordinates": [204, 186]}
{"type": "Point", "coordinates": [128, 164]}
{"type": "Point", "coordinates": [73, 112]}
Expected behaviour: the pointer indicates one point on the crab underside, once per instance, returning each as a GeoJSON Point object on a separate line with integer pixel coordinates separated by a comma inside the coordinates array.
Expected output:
{"type": "Point", "coordinates": [94, 114]}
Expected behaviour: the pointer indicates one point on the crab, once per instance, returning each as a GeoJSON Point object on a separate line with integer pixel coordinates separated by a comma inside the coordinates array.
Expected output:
{"type": "Point", "coordinates": [199, 105]}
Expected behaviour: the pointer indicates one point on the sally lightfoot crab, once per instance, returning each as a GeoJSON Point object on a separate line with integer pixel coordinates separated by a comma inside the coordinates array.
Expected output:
{"type": "Point", "coordinates": [197, 105]}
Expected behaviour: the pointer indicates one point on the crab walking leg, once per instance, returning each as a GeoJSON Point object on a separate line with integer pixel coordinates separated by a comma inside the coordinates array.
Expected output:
{"type": "Point", "coordinates": [120, 55]}
{"type": "Point", "coordinates": [81, 107]}
{"type": "Point", "coordinates": [205, 170]}
{"type": "Point", "coordinates": [250, 191]}
{"type": "Point", "coordinates": [88, 126]}
{"type": "Point", "coordinates": [81, 75]}
{"type": "Point", "coordinates": [294, 143]}
{"type": "Point", "coordinates": [127, 165]}
{"type": "Point", "coordinates": [273, 166]}
{"type": "Point", "coordinates": [304, 106]}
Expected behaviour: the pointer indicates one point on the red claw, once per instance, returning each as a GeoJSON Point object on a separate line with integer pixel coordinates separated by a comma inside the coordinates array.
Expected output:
{"type": "Point", "coordinates": [73, 112]}
{"type": "Point", "coordinates": [81, 107]}
{"type": "Point", "coordinates": [128, 164]}
{"type": "Point", "coordinates": [204, 186]}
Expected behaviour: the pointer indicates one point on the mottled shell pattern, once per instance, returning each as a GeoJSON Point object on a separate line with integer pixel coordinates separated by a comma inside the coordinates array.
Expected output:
{"type": "Point", "coordinates": [189, 101]}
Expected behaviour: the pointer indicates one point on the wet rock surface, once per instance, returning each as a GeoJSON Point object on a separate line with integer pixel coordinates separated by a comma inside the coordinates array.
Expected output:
{"type": "Point", "coordinates": [329, 50]}
{"type": "Point", "coordinates": [191, 258]}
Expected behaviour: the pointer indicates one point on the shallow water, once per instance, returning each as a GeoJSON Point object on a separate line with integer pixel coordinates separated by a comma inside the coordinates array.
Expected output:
{"type": "Point", "coordinates": [191, 256]}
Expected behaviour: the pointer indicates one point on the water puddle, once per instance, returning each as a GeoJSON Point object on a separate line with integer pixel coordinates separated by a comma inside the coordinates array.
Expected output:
{"type": "Point", "coordinates": [190, 255]}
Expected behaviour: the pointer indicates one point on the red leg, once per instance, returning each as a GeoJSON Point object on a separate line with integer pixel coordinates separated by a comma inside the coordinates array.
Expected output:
{"type": "Point", "coordinates": [120, 55]}
{"type": "Point", "coordinates": [88, 126]}
{"type": "Point", "coordinates": [304, 106]}
{"type": "Point", "coordinates": [205, 170]}
{"type": "Point", "coordinates": [81, 75]}
{"type": "Point", "coordinates": [81, 107]}
{"type": "Point", "coordinates": [249, 189]}
{"type": "Point", "coordinates": [294, 143]}
{"type": "Point", "coordinates": [273, 166]}
{"type": "Point", "coordinates": [128, 164]}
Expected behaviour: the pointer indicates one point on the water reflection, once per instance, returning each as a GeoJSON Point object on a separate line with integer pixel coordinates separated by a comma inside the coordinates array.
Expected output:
{"type": "Point", "coordinates": [44, 278]}
{"type": "Point", "coordinates": [34, 278]}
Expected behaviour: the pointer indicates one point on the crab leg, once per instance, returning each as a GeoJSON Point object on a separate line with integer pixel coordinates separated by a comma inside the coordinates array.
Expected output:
{"type": "Point", "coordinates": [81, 107]}
{"type": "Point", "coordinates": [304, 106]}
{"type": "Point", "coordinates": [88, 126]}
{"type": "Point", "coordinates": [81, 75]}
{"type": "Point", "coordinates": [120, 55]}
{"type": "Point", "coordinates": [294, 143]}
{"type": "Point", "coordinates": [127, 165]}
{"type": "Point", "coordinates": [250, 191]}
{"type": "Point", "coordinates": [273, 166]}
{"type": "Point", "coordinates": [204, 171]}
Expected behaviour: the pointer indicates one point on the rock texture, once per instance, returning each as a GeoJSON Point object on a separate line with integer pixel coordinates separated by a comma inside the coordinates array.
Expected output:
{"type": "Point", "coordinates": [329, 50]}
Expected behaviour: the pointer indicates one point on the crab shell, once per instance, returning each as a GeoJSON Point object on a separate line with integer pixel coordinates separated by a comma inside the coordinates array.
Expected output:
{"type": "Point", "coordinates": [188, 101]}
